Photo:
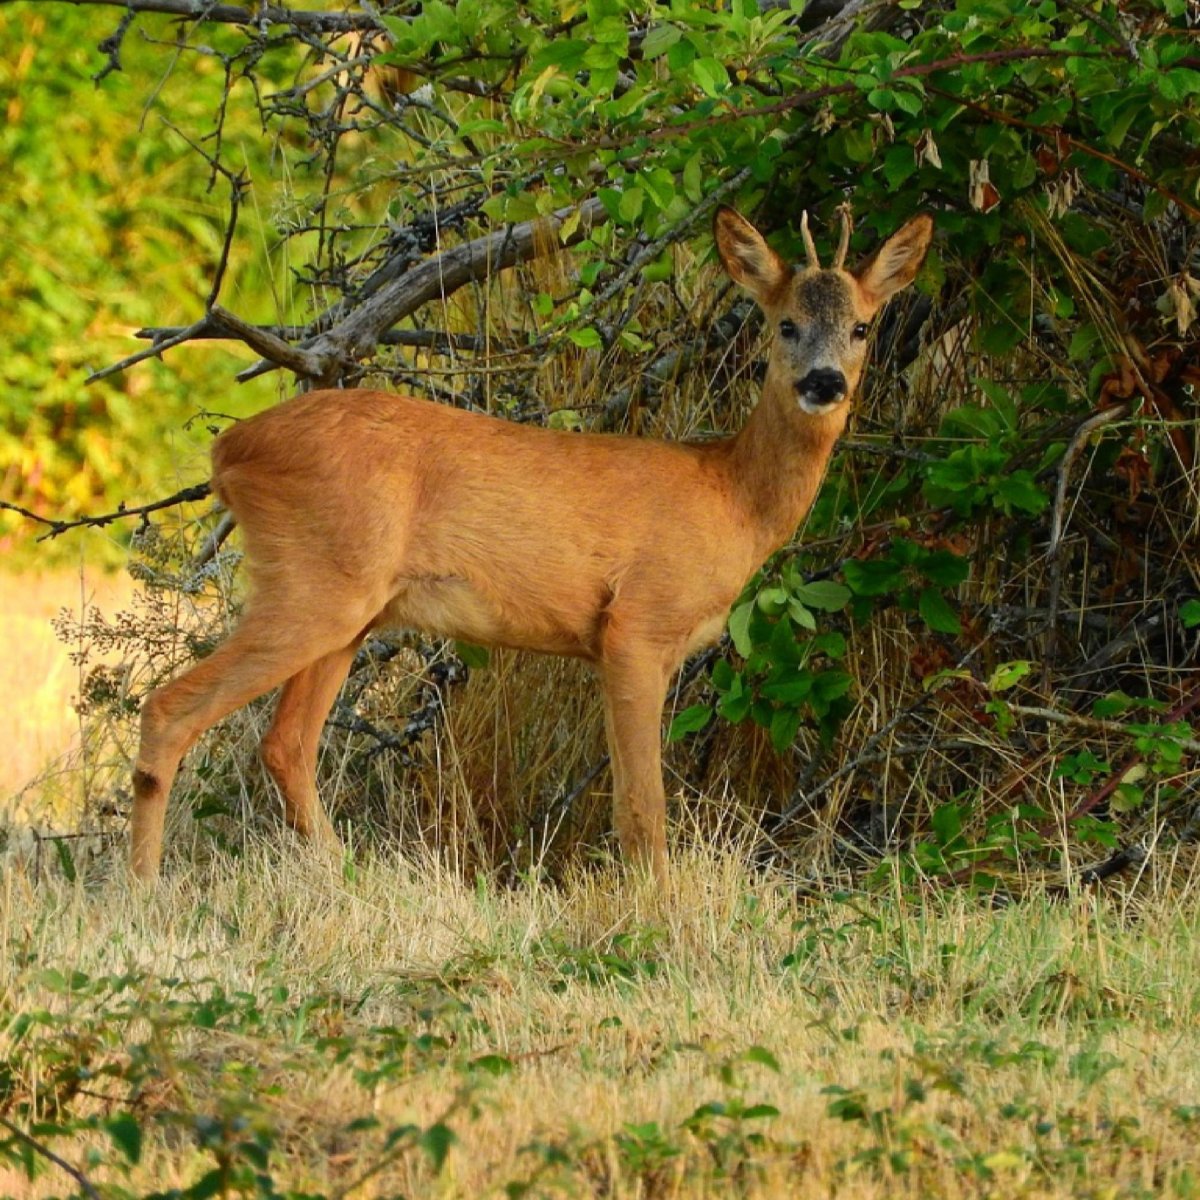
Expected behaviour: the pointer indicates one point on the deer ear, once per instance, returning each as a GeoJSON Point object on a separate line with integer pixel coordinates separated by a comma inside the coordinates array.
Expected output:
{"type": "Point", "coordinates": [897, 261]}
{"type": "Point", "coordinates": [747, 257]}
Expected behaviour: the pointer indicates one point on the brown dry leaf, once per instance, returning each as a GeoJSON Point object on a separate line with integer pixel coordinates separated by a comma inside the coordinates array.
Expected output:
{"type": "Point", "coordinates": [984, 194]}
{"type": "Point", "coordinates": [1180, 305]}
{"type": "Point", "coordinates": [1061, 193]}
{"type": "Point", "coordinates": [926, 150]}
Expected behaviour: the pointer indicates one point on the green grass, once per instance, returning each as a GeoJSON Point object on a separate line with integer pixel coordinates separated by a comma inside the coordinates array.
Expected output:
{"type": "Point", "coordinates": [275, 1024]}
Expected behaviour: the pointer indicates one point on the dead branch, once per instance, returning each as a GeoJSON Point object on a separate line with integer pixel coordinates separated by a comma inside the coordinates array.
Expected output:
{"type": "Point", "coordinates": [260, 15]}
{"type": "Point", "coordinates": [437, 340]}
{"type": "Point", "coordinates": [85, 1184]}
{"type": "Point", "coordinates": [1058, 521]}
{"type": "Point", "coordinates": [188, 495]}
{"type": "Point", "coordinates": [358, 333]}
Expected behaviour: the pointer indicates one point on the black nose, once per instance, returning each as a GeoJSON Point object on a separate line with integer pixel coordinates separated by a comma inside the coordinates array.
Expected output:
{"type": "Point", "coordinates": [822, 386]}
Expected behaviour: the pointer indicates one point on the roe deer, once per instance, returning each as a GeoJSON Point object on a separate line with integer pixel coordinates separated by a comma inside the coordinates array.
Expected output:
{"type": "Point", "coordinates": [361, 509]}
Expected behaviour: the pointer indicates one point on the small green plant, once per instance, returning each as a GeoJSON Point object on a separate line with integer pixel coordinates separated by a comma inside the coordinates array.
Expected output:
{"type": "Point", "coordinates": [786, 674]}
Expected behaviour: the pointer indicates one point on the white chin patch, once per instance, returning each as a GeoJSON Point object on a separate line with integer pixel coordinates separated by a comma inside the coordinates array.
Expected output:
{"type": "Point", "coordinates": [818, 408]}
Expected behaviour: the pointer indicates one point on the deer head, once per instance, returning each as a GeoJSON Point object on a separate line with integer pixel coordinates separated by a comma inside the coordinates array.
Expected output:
{"type": "Point", "coordinates": [820, 315]}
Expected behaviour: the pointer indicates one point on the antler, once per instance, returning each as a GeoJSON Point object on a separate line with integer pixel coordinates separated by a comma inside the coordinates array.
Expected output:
{"type": "Point", "coordinates": [847, 227]}
{"type": "Point", "coordinates": [810, 249]}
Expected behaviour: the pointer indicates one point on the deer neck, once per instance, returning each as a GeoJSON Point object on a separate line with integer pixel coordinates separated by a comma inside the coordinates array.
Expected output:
{"type": "Point", "coordinates": [779, 459]}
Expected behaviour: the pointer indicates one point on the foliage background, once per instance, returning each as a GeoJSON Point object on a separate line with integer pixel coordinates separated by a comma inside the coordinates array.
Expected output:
{"type": "Point", "coordinates": [995, 594]}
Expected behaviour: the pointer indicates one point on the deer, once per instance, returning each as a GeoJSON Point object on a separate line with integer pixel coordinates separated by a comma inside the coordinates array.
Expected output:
{"type": "Point", "coordinates": [363, 509]}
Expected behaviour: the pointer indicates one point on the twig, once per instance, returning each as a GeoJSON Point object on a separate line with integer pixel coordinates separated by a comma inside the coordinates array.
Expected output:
{"type": "Point", "coordinates": [80, 1178]}
{"type": "Point", "coordinates": [1058, 521]}
{"type": "Point", "coordinates": [887, 451]}
{"type": "Point", "coordinates": [215, 540]}
{"type": "Point", "coordinates": [188, 495]}
{"type": "Point", "coordinates": [198, 328]}
{"type": "Point", "coordinates": [1123, 859]}
{"type": "Point", "coordinates": [1079, 721]}
{"type": "Point", "coordinates": [111, 46]}
{"type": "Point", "coordinates": [232, 14]}
{"type": "Point", "coordinates": [237, 186]}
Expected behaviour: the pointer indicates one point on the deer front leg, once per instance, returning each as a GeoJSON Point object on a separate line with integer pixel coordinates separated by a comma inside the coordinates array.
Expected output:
{"type": "Point", "coordinates": [635, 688]}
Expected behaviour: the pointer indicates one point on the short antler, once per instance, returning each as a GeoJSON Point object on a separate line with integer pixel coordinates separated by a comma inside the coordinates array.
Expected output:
{"type": "Point", "coordinates": [847, 228]}
{"type": "Point", "coordinates": [810, 249]}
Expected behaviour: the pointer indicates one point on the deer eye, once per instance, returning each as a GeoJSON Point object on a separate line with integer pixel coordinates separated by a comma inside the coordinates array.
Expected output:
{"type": "Point", "coordinates": [860, 331]}
{"type": "Point", "coordinates": [788, 330]}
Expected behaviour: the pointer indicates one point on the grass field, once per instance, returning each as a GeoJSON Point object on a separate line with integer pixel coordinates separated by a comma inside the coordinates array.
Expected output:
{"type": "Point", "coordinates": [280, 1025]}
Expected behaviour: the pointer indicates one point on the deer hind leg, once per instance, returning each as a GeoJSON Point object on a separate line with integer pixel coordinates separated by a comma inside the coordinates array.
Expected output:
{"type": "Point", "coordinates": [635, 688]}
{"type": "Point", "coordinates": [264, 650]}
{"type": "Point", "coordinates": [289, 750]}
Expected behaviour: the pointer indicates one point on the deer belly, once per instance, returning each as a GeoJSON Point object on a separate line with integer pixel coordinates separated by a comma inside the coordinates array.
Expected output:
{"type": "Point", "coordinates": [451, 606]}
{"type": "Point", "coordinates": [707, 631]}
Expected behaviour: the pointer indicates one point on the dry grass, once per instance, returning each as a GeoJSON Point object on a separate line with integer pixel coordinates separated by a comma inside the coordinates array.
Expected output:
{"type": "Point", "coordinates": [1050, 1049]}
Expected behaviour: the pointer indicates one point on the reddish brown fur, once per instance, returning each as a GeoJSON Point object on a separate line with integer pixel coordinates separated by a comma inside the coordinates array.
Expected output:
{"type": "Point", "coordinates": [361, 508]}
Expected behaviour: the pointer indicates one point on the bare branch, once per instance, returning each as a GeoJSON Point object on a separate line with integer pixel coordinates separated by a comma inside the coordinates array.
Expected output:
{"type": "Point", "coordinates": [359, 332]}
{"type": "Point", "coordinates": [85, 1184]}
{"type": "Point", "coordinates": [279, 352]}
{"type": "Point", "coordinates": [198, 328]}
{"type": "Point", "coordinates": [188, 495]}
{"type": "Point", "coordinates": [423, 339]}
{"type": "Point", "coordinates": [234, 14]}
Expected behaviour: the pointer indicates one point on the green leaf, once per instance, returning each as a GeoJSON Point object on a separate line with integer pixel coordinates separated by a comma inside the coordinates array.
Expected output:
{"type": "Point", "coordinates": [791, 691]}
{"type": "Point", "coordinates": [825, 594]}
{"type": "Point", "coordinates": [1177, 84]}
{"type": "Point", "coordinates": [587, 338]}
{"type": "Point", "coordinates": [785, 722]}
{"type": "Point", "coordinates": [631, 203]}
{"type": "Point", "coordinates": [659, 39]}
{"type": "Point", "coordinates": [936, 612]}
{"type": "Point", "coordinates": [801, 615]}
{"type": "Point", "coordinates": [1020, 490]}
{"type": "Point", "coordinates": [946, 823]}
{"type": "Point", "coordinates": [436, 1142]}
{"type": "Point", "coordinates": [710, 75]}
{"type": "Point", "coordinates": [757, 1112]}
{"type": "Point", "coordinates": [690, 720]}
{"type": "Point", "coordinates": [693, 178]}
{"type": "Point", "coordinates": [873, 578]}
{"type": "Point", "coordinates": [1113, 705]}
{"type": "Point", "coordinates": [492, 1064]}
{"type": "Point", "coordinates": [762, 1056]}
{"type": "Point", "coordinates": [475, 657]}
{"type": "Point", "coordinates": [1189, 613]}
{"type": "Point", "coordinates": [722, 675]}
{"type": "Point", "coordinates": [65, 859]}
{"type": "Point", "coordinates": [829, 685]}
{"type": "Point", "coordinates": [739, 628]}
{"type": "Point", "coordinates": [126, 1134]}
{"type": "Point", "coordinates": [944, 568]}
{"type": "Point", "coordinates": [1008, 674]}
